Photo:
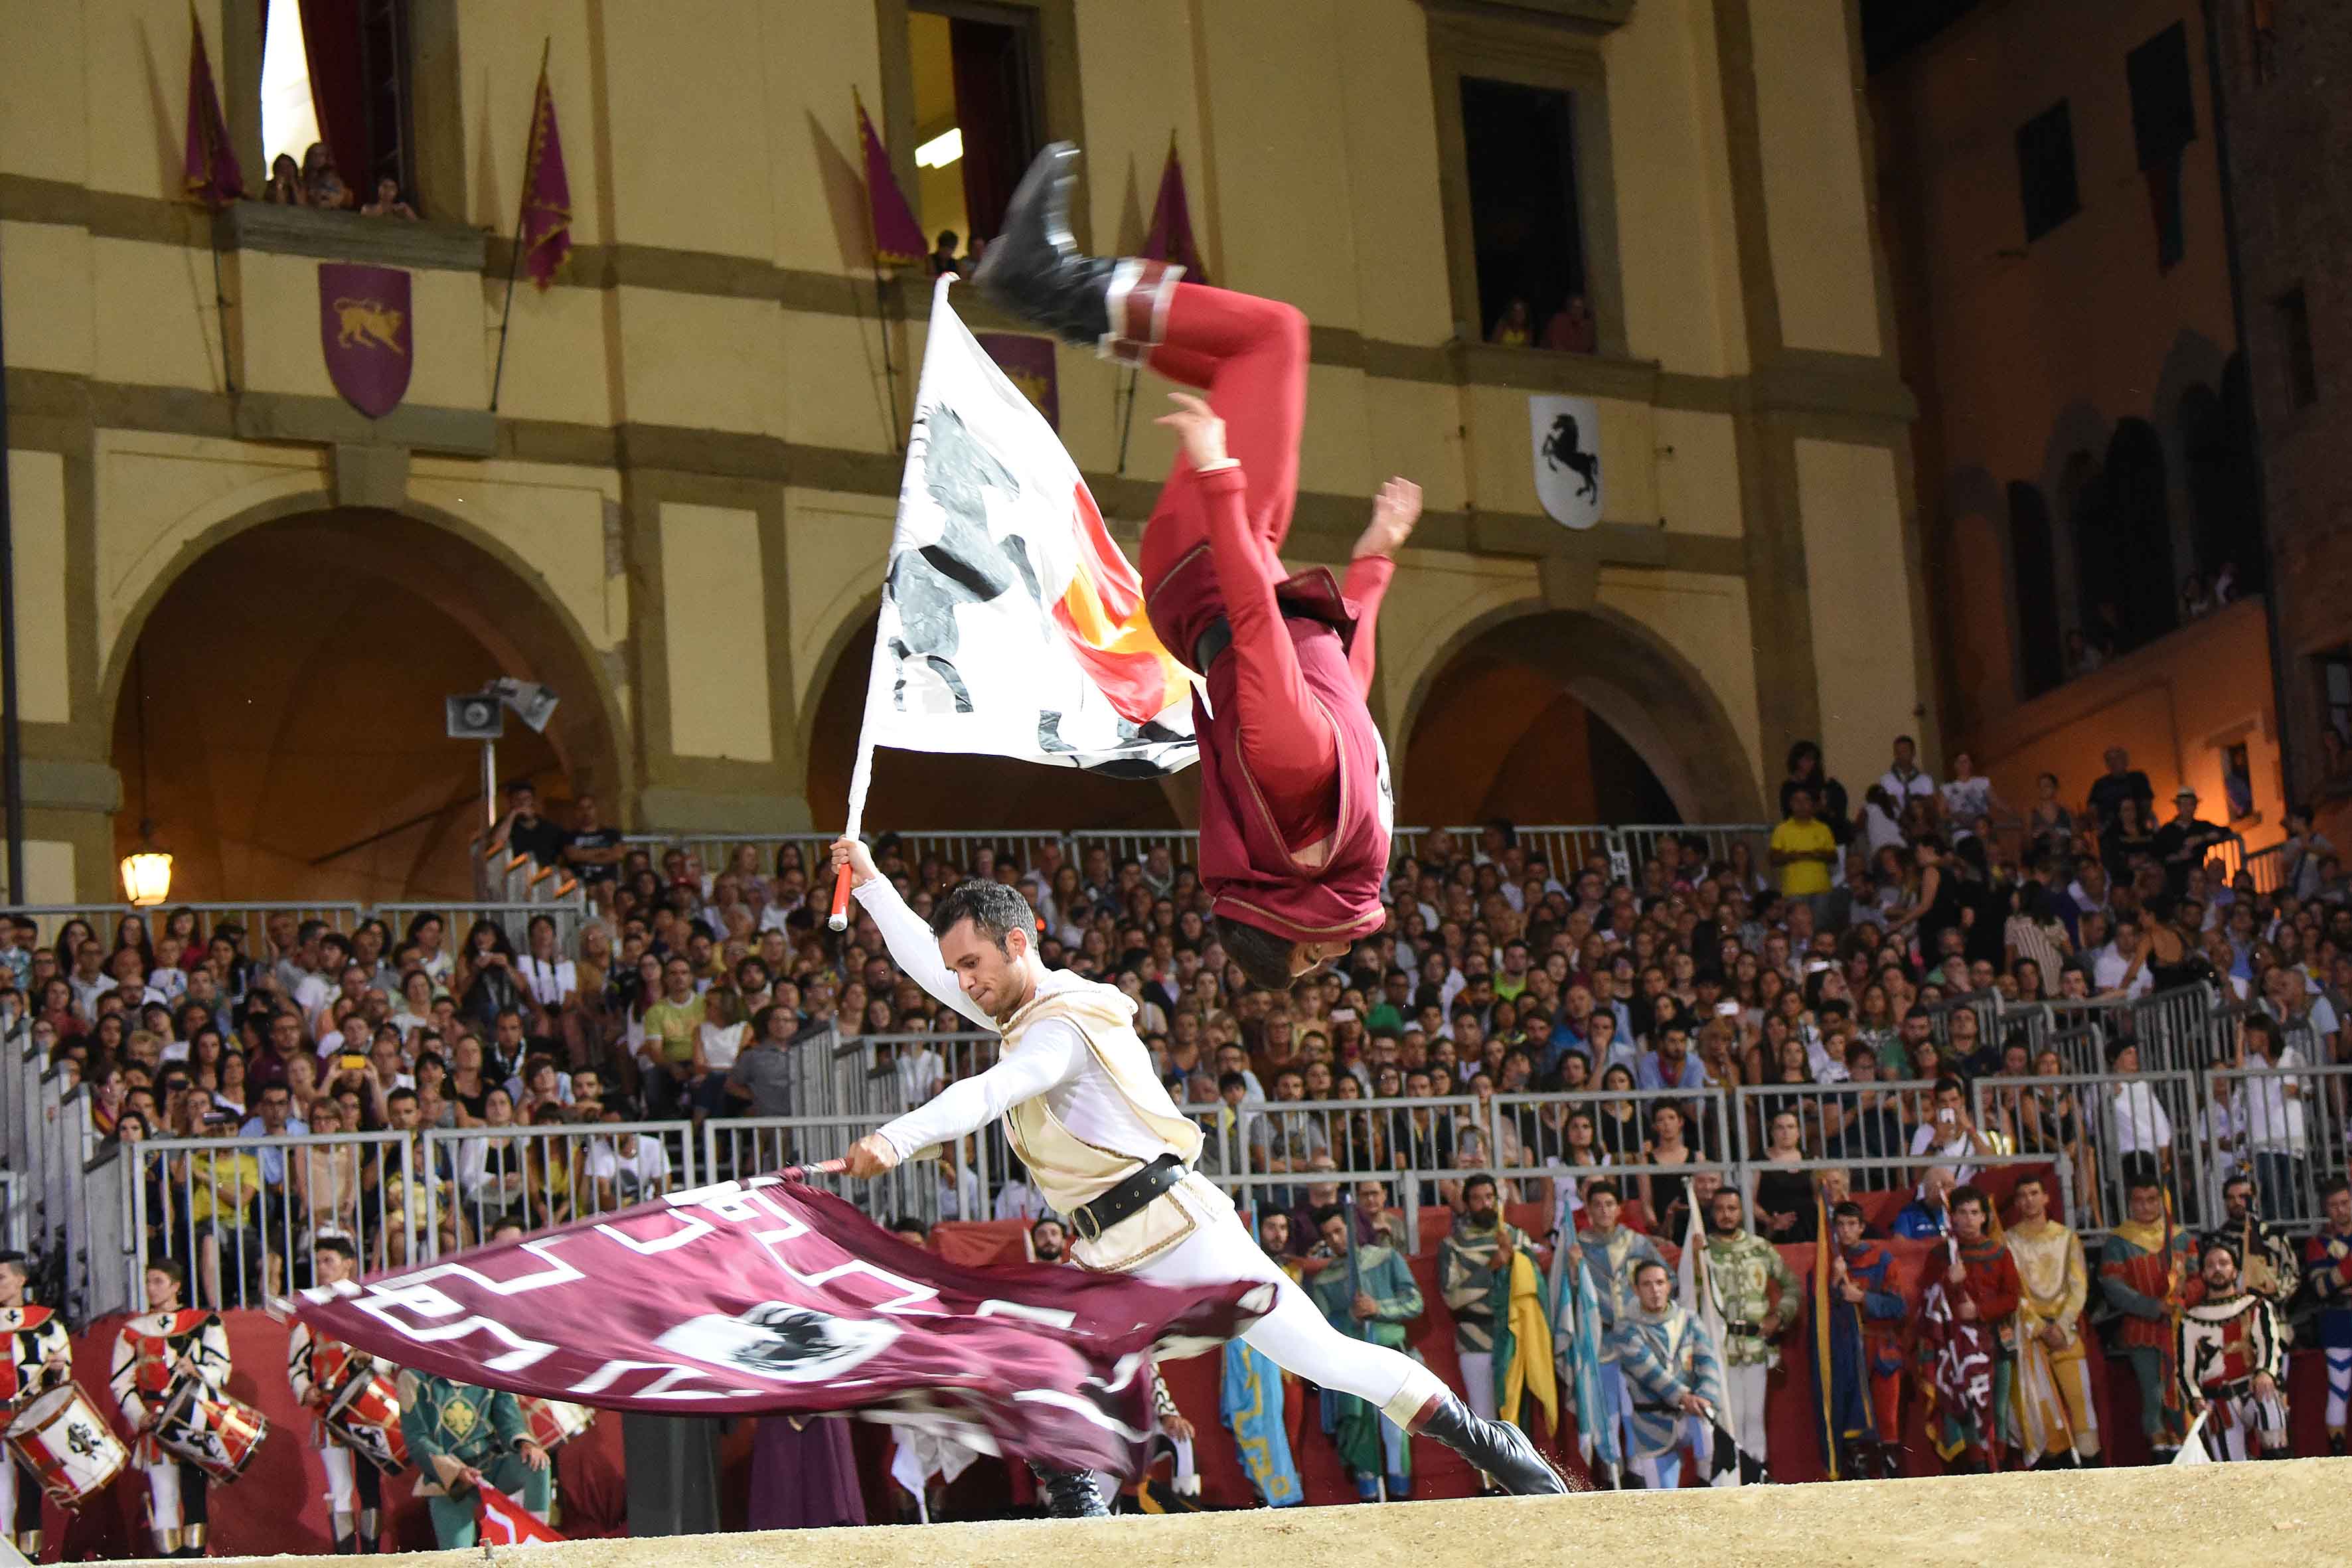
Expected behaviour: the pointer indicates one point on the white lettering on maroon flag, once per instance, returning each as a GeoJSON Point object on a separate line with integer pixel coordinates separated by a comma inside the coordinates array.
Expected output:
{"type": "Point", "coordinates": [1011, 624]}
{"type": "Point", "coordinates": [766, 1296]}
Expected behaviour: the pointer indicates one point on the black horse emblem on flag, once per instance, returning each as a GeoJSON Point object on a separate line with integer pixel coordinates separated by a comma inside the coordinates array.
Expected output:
{"type": "Point", "coordinates": [1562, 451]}
{"type": "Point", "coordinates": [967, 566]}
{"type": "Point", "coordinates": [777, 1340]}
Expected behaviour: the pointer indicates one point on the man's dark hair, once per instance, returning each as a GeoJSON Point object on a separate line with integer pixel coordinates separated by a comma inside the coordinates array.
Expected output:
{"type": "Point", "coordinates": [338, 1246]}
{"type": "Point", "coordinates": [1473, 1183]}
{"type": "Point", "coordinates": [1954, 1083]}
{"type": "Point", "coordinates": [1846, 1210]}
{"type": "Point", "coordinates": [1646, 1265]}
{"type": "Point", "coordinates": [397, 1095]}
{"type": "Point", "coordinates": [1047, 1219]}
{"type": "Point", "coordinates": [1969, 1194]}
{"type": "Point", "coordinates": [2333, 1185]}
{"type": "Point", "coordinates": [15, 1260]}
{"type": "Point", "coordinates": [994, 910]}
{"type": "Point", "coordinates": [1232, 1081]}
{"type": "Point", "coordinates": [1593, 1189]}
{"type": "Point", "coordinates": [908, 1222]}
{"type": "Point", "coordinates": [172, 1269]}
{"type": "Point", "coordinates": [1325, 1215]}
{"type": "Point", "coordinates": [1263, 957]}
{"type": "Point", "coordinates": [2034, 1179]}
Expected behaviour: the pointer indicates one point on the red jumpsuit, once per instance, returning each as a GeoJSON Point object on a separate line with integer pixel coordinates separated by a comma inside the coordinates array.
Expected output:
{"type": "Point", "coordinates": [1287, 700]}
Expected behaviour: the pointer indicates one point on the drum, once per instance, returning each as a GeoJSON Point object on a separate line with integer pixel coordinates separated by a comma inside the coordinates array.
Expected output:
{"type": "Point", "coordinates": [365, 1414]}
{"type": "Point", "coordinates": [210, 1430]}
{"type": "Point", "coordinates": [61, 1439]}
{"type": "Point", "coordinates": [552, 1422]}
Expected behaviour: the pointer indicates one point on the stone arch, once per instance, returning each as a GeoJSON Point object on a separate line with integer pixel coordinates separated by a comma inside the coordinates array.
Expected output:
{"type": "Point", "coordinates": [479, 592]}
{"type": "Point", "coordinates": [1622, 673]}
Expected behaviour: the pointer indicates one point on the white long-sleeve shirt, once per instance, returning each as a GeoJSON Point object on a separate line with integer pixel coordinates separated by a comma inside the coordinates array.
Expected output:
{"type": "Point", "coordinates": [1054, 1060]}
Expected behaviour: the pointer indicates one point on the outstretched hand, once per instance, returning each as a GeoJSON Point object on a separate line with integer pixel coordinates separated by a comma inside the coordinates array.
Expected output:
{"type": "Point", "coordinates": [1394, 512]}
{"type": "Point", "coordinates": [1198, 430]}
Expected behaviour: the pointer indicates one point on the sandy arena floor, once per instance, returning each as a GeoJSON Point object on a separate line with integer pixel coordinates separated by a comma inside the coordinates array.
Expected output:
{"type": "Point", "coordinates": [2297, 1510]}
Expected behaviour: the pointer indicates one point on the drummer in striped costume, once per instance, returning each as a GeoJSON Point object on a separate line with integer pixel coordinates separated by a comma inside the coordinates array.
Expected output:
{"type": "Point", "coordinates": [152, 1353]}
{"type": "Point", "coordinates": [318, 1367]}
{"type": "Point", "coordinates": [39, 1358]}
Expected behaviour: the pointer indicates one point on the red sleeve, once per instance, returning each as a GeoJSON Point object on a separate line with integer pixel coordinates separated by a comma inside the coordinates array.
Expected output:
{"type": "Point", "coordinates": [1367, 582]}
{"type": "Point", "coordinates": [1285, 738]}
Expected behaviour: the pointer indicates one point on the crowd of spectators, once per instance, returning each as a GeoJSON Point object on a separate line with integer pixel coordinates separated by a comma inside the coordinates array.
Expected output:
{"type": "Point", "coordinates": [313, 183]}
{"type": "Point", "coordinates": [1813, 958]}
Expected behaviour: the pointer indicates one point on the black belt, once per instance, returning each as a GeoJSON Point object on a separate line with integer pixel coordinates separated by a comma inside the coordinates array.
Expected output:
{"type": "Point", "coordinates": [1732, 1325]}
{"type": "Point", "coordinates": [1127, 1199]}
{"type": "Point", "coordinates": [1218, 636]}
{"type": "Point", "coordinates": [1215, 638]}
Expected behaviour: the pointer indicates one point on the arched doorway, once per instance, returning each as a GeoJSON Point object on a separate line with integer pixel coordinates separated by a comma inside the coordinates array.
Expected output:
{"type": "Point", "coordinates": [283, 705]}
{"type": "Point", "coordinates": [942, 791]}
{"type": "Point", "coordinates": [1569, 717]}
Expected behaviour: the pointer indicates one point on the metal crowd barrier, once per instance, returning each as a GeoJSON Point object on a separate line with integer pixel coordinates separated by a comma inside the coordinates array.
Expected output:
{"type": "Point", "coordinates": [2112, 1124]}
{"type": "Point", "coordinates": [540, 1178]}
{"type": "Point", "coordinates": [513, 919]}
{"type": "Point", "coordinates": [2284, 1126]}
{"type": "Point", "coordinates": [242, 1213]}
{"type": "Point", "coordinates": [254, 917]}
{"type": "Point", "coordinates": [1839, 1122]}
{"type": "Point", "coordinates": [948, 1183]}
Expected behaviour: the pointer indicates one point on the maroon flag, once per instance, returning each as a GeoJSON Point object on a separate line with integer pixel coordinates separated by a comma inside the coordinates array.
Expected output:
{"type": "Point", "coordinates": [211, 173]}
{"type": "Point", "coordinates": [1028, 364]}
{"type": "Point", "coordinates": [545, 232]}
{"type": "Point", "coordinates": [898, 238]}
{"type": "Point", "coordinates": [363, 331]}
{"type": "Point", "coordinates": [768, 1297]}
{"type": "Point", "coordinates": [1170, 238]}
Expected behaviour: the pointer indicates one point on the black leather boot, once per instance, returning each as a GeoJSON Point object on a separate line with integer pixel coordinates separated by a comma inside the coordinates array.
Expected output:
{"type": "Point", "coordinates": [1496, 1447]}
{"type": "Point", "coordinates": [1070, 1494]}
{"type": "Point", "coordinates": [1033, 268]}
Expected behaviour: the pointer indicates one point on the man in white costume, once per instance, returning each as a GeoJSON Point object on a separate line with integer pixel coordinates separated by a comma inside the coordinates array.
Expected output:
{"type": "Point", "coordinates": [1107, 1147]}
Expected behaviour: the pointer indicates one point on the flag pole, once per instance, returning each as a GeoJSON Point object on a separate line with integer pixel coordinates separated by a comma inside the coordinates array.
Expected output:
{"type": "Point", "coordinates": [522, 210]}
{"type": "Point", "coordinates": [220, 305]}
{"type": "Point", "coordinates": [889, 370]}
{"type": "Point", "coordinates": [1127, 423]}
{"type": "Point", "coordinates": [861, 779]}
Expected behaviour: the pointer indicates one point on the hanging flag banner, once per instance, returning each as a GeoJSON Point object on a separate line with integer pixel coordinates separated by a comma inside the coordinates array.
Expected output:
{"type": "Point", "coordinates": [1028, 364]}
{"type": "Point", "coordinates": [365, 331]}
{"type": "Point", "coordinates": [1565, 433]}
{"type": "Point", "coordinates": [1011, 623]}
{"type": "Point", "coordinates": [766, 1297]}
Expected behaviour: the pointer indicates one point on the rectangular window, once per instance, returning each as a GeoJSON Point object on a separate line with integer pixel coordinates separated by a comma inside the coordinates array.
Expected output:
{"type": "Point", "coordinates": [2046, 170]}
{"type": "Point", "coordinates": [2238, 780]}
{"type": "Point", "coordinates": [976, 71]}
{"type": "Point", "coordinates": [1526, 235]}
{"type": "Point", "coordinates": [2291, 313]}
{"type": "Point", "coordinates": [2336, 692]}
{"type": "Point", "coordinates": [338, 79]}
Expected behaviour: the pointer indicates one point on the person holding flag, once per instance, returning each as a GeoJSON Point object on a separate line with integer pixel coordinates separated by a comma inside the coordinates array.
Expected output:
{"type": "Point", "coordinates": [1296, 808]}
{"type": "Point", "coordinates": [1968, 1341]}
{"type": "Point", "coordinates": [1579, 1336]}
{"type": "Point", "coordinates": [1094, 1126]}
{"type": "Point", "coordinates": [1373, 1298]}
{"type": "Point", "coordinates": [1757, 1293]}
{"type": "Point", "coordinates": [1675, 1376]}
{"type": "Point", "coordinates": [467, 1441]}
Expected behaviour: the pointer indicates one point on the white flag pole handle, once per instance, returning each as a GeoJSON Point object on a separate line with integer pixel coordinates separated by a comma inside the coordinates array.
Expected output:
{"type": "Point", "coordinates": [861, 776]}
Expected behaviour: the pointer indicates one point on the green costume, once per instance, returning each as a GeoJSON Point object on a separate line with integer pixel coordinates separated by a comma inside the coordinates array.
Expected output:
{"type": "Point", "coordinates": [1743, 1268]}
{"type": "Point", "coordinates": [479, 1427]}
{"type": "Point", "coordinates": [1382, 1274]}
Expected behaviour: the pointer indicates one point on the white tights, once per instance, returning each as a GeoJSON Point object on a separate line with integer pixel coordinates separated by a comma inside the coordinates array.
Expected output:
{"type": "Point", "coordinates": [1296, 1333]}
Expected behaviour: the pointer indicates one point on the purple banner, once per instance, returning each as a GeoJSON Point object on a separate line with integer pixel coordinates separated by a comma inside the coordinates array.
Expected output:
{"type": "Point", "coordinates": [1028, 362]}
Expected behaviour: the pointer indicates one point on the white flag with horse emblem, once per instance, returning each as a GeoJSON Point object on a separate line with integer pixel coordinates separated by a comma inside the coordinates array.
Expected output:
{"type": "Point", "coordinates": [1012, 624]}
{"type": "Point", "coordinates": [1566, 441]}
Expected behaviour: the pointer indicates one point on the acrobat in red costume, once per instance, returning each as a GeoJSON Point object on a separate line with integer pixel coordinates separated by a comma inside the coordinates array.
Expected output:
{"type": "Point", "coordinates": [1296, 804]}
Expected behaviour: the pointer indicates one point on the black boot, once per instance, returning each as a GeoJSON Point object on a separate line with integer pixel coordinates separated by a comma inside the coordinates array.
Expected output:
{"type": "Point", "coordinates": [1033, 268]}
{"type": "Point", "coordinates": [1070, 1494]}
{"type": "Point", "coordinates": [1496, 1447]}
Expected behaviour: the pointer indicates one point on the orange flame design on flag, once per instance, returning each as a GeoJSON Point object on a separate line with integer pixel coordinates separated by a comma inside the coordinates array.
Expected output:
{"type": "Point", "coordinates": [1102, 615]}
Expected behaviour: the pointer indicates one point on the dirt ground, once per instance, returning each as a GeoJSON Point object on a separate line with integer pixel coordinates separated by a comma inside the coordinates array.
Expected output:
{"type": "Point", "coordinates": [2296, 1510]}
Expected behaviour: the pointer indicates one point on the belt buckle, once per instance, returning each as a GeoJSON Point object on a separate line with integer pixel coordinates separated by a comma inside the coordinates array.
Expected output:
{"type": "Point", "coordinates": [1083, 1220]}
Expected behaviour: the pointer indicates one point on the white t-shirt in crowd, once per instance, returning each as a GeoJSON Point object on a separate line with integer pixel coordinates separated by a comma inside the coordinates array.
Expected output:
{"type": "Point", "coordinates": [549, 982]}
{"type": "Point", "coordinates": [2108, 969]}
{"type": "Point", "coordinates": [721, 1046]}
{"type": "Point", "coordinates": [639, 1174]}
